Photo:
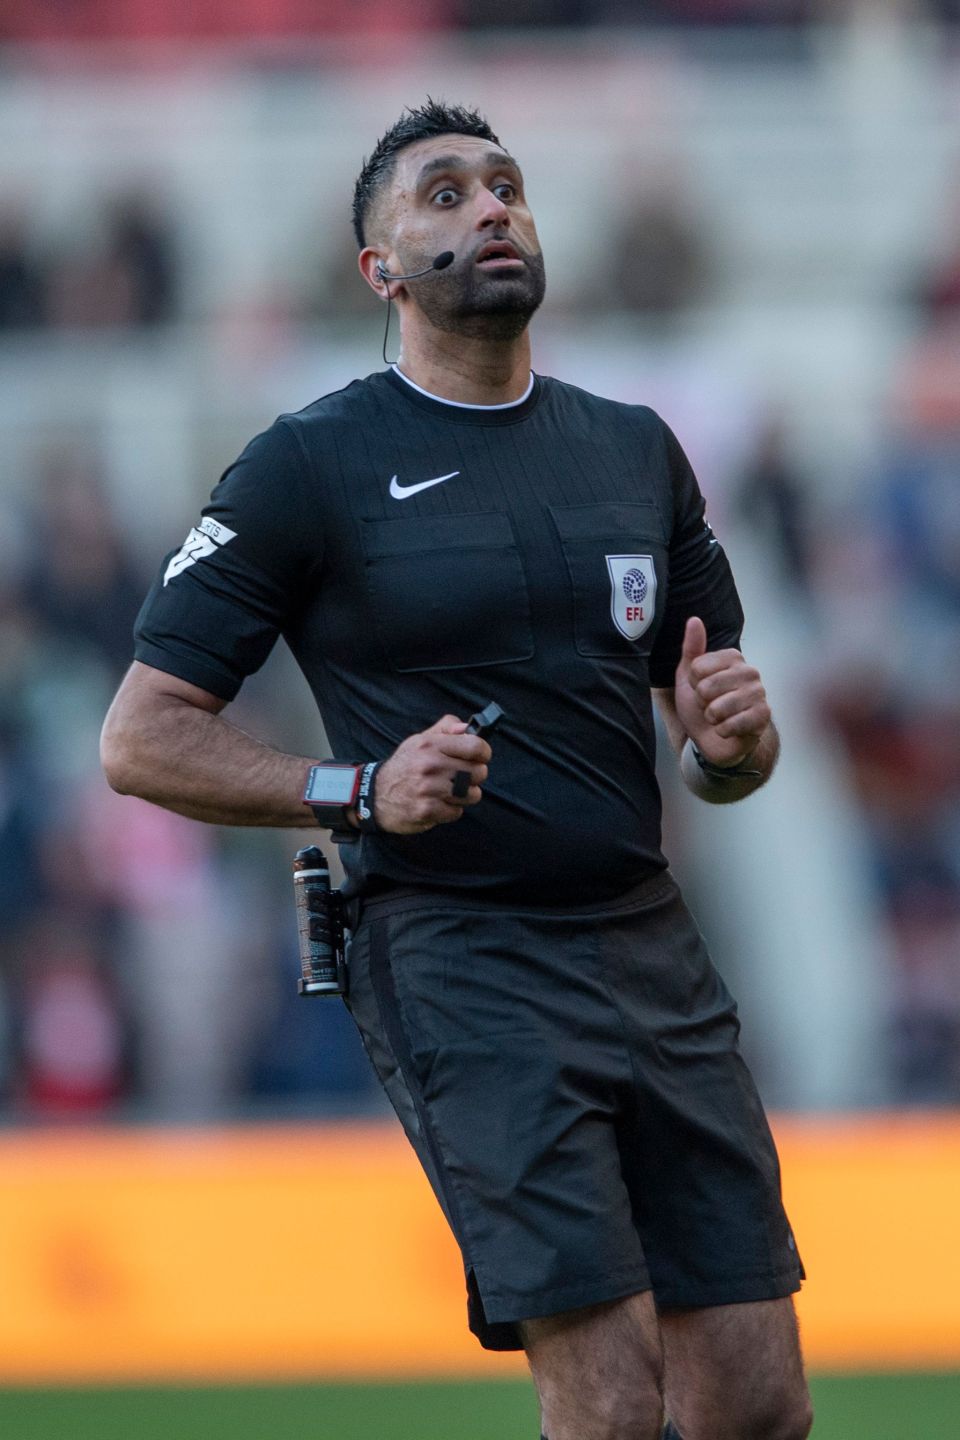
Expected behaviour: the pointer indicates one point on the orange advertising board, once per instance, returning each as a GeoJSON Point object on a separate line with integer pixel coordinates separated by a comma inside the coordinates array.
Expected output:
{"type": "Point", "coordinates": [311, 1251]}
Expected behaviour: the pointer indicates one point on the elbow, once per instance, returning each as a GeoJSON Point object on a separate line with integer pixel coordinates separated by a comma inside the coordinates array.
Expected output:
{"type": "Point", "coordinates": [117, 757]}
{"type": "Point", "coordinates": [116, 767]}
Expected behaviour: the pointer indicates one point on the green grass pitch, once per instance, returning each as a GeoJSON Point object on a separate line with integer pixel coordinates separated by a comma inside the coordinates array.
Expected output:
{"type": "Point", "coordinates": [867, 1407]}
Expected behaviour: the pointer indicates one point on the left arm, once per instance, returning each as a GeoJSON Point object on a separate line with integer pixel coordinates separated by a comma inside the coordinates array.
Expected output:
{"type": "Point", "coordinates": [719, 706]}
{"type": "Point", "coordinates": [708, 695]}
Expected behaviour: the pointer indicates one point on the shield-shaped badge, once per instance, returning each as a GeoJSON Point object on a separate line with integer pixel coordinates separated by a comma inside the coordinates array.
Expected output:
{"type": "Point", "coordinates": [633, 585]}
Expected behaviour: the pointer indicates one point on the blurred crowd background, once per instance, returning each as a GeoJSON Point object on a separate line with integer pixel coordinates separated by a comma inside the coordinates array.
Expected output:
{"type": "Point", "coordinates": [750, 220]}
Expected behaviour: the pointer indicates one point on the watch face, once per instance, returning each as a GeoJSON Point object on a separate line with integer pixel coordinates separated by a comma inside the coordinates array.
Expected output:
{"type": "Point", "coordinates": [332, 785]}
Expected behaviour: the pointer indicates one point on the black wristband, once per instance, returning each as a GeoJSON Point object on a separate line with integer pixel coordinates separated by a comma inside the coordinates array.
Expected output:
{"type": "Point", "coordinates": [366, 798]}
{"type": "Point", "coordinates": [724, 772]}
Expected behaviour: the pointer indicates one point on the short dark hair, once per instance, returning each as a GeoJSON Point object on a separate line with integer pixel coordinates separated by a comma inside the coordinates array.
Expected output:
{"type": "Point", "coordinates": [422, 123]}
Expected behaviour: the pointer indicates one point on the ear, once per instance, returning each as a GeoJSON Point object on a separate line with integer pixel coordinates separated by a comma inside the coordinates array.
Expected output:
{"type": "Point", "coordinates": [371, 261]}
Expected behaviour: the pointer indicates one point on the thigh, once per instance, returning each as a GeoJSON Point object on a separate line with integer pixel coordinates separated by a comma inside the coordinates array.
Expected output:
{"type": "Point", "coordinates": [697, 1153]}
{"type": "Point", "coordinates": [733, 1371]}
{"type": "Point", "coordinates": [497, 1043]}
{"type": "Point", "coordinates": [598, 1370]}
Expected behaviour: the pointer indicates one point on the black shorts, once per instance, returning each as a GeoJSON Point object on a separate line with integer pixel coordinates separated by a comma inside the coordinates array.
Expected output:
{"type": "Point", "coordinates": [571, 1082]}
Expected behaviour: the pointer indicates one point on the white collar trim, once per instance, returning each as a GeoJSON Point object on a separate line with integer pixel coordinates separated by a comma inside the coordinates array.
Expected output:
{"type": "Point", "coordinates": [463, 404]}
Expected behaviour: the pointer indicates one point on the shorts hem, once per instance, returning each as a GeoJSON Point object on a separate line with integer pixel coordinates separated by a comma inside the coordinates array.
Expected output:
{"type": "Point", "coordinates": [733, 1290]}
{"type": "Point", "coordinates": [502, 1310]}
{"type": "Point", "coordinates": [497, 1328]}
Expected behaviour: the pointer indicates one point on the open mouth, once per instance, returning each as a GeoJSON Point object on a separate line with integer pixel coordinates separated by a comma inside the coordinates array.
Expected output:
{"type": "Point", "coordinates": [497, 253]}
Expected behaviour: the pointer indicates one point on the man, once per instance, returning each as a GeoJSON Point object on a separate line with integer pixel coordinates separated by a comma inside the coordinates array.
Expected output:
{"type": "Point", "coordinates": [530, 988]}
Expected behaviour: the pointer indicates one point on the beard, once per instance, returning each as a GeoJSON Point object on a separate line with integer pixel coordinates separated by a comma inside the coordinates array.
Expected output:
{"type": "Point", "coordinates": [467, 301]}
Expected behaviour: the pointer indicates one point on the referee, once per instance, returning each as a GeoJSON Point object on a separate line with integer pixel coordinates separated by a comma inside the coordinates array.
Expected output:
{"type": "Point", "coordinates": [536, 999]}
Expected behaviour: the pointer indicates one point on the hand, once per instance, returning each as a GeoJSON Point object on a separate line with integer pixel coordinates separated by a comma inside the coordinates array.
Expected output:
{"type": "Point", "coordinates": [720, 699]}
{"type": "Point", "coordinates": [415, 786]}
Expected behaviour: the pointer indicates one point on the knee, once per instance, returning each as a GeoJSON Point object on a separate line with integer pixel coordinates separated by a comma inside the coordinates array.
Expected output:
{"type": "Point", "coordinates": [611, 1413]}
{"type": "Point", "coordinates": [599, 1371]}
{"type": "Point", "coordinates": [791, 1420]}
{"type": "Point", "coordinates": [631, 1421]}
{"type": "Point", "coordinates": [798, 1422]}
{"type": "Point", "coordinates": [624, 1422]}
{"type": "Point", "coordinates": [773, 1415]}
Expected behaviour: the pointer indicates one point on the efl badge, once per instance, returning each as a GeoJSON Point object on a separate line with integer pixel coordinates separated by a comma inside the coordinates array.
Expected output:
{"type": "Point", "coordinates": [633, 582]}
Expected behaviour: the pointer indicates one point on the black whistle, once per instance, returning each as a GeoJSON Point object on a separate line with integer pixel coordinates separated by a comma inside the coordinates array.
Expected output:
{"type": "Point", "coordinates": [482, 723]}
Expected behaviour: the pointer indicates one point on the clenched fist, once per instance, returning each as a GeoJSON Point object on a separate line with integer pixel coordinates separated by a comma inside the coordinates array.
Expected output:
{"type": "Point", "coordinates": [415, 786]}
{"type": "Point", "coordinates": [720, 699]}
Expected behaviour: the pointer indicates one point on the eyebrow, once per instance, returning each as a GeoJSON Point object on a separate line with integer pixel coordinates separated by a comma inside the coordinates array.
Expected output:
{"type": "Point", "coordinates": [497, 159]}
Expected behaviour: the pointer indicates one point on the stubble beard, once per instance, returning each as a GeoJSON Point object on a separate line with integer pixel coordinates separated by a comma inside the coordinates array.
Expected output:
{"type": "Point", "coordinates": [483, 307]}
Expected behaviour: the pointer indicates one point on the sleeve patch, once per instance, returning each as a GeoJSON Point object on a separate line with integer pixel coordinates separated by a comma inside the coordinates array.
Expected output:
{"type": "Point", "coordinates": [202, 541]}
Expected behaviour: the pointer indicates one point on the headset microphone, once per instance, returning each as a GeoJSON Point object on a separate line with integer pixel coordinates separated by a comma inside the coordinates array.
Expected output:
{"type": "Point", "coordinates": [439, 262]}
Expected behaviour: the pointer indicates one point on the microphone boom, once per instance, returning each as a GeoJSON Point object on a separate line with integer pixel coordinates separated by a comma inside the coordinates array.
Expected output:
{"type": "Point", "coordinates": [439, 262]}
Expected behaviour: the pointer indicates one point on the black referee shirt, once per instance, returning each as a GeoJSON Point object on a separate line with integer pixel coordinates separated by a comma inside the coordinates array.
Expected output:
{"type": "Point", "coordinates": [421, 558]}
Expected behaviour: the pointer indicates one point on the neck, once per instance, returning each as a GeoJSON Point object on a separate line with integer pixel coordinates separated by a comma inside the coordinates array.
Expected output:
{"type": "Point", "coordinates": [472, 371]}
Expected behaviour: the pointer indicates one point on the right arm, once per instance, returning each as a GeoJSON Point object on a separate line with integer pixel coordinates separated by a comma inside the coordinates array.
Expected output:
{"type": "Point", "coordinates": [210, 620]}
{"type": "Point", "coordinates": [166, 741]}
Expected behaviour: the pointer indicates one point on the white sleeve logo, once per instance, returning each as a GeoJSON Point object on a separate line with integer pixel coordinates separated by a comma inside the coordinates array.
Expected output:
{"type": "Point", "coordinates": [202, 540]}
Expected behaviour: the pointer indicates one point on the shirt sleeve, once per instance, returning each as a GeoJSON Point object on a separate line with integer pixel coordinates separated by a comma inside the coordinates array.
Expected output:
{"type": "Point", "coordinates": [215, 610]}
{"type": "Point", "coordinates": [700, 579]}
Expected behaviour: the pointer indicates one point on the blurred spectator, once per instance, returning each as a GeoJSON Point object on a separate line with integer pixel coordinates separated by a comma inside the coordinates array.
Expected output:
{"type": "Point", "coordinates": [308, 1051]}
{"type": "Point", "coordinates": [338, 287]}
{"type": "Point", "coordinates": [481, 13]}
{"type": "Point", "coordinates": [943, 291]}
{"type": "Point", "coordinates": [86, 20]}
{"type": "Point", "coordinates": [128, 276]}
{"type": "Point", "coordinates": [899, 713]}
{"type": "Point", "coordinates": [22, 274]}
{"type": "Point", "coordinates": [186, 950]}
{"type": "Point", "coordinates": [21, 891]}
{"type": "Point", "coordinates": [665, 260]}
{"type": "Point", "coordinates": [773, 501]}
{"type": "Point", "coordinates": [16, 621]}
{"type": "Point", "coordinates": [140, 259]}
{"type": "Point", "coordinates": [661, 256]}
{"type": "Point", "coordinates": [21, 799]}
{"type": "Point", "coordinates": [146, 961]}
{"type": "Point", "coordinates": [70, 1029]}
{"type": "Point", "coordinates": [744, 14]}
{"type": "Point", "coordinates": [488, 14]}
{"type": "Point", "coordinates": [939, 286]}
{"type": "Point", "coordinates": [92, 19]}
{"type": "Point", "coordinates": [728, 12]}
{"type": "Point", "coordinates": [81, 584]}
{"type": "Point", "coordinates": [907, 769]}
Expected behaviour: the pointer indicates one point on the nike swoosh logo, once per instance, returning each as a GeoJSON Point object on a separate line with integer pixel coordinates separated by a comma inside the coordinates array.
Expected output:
{"type": "Point", "coordinates": [401, 492]}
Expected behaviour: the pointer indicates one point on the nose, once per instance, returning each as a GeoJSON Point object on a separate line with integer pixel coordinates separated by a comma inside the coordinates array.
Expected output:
{"type": "Point", "coordinates": [491, 211]}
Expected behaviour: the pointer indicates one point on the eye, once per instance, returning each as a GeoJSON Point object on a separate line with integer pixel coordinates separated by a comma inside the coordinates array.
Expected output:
{"type": "Point", "coordinates": [445, 197]}
{"type": "Point", "coordinates": [505, 191]}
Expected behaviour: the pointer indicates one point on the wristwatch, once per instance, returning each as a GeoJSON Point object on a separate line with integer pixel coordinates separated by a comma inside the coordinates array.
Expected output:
{"type": "Point", "coordinates": [336, 786]}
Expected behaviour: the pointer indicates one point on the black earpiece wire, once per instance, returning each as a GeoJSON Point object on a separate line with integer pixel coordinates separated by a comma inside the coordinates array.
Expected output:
{"type": "Point", "coordinates": [439, 262]}
{"type": "Point", "coordinates": [386, 329]}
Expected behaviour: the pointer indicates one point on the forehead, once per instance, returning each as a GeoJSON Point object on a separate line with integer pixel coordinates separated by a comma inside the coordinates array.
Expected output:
{"type": "Point", "coordinates": [425, 157]}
